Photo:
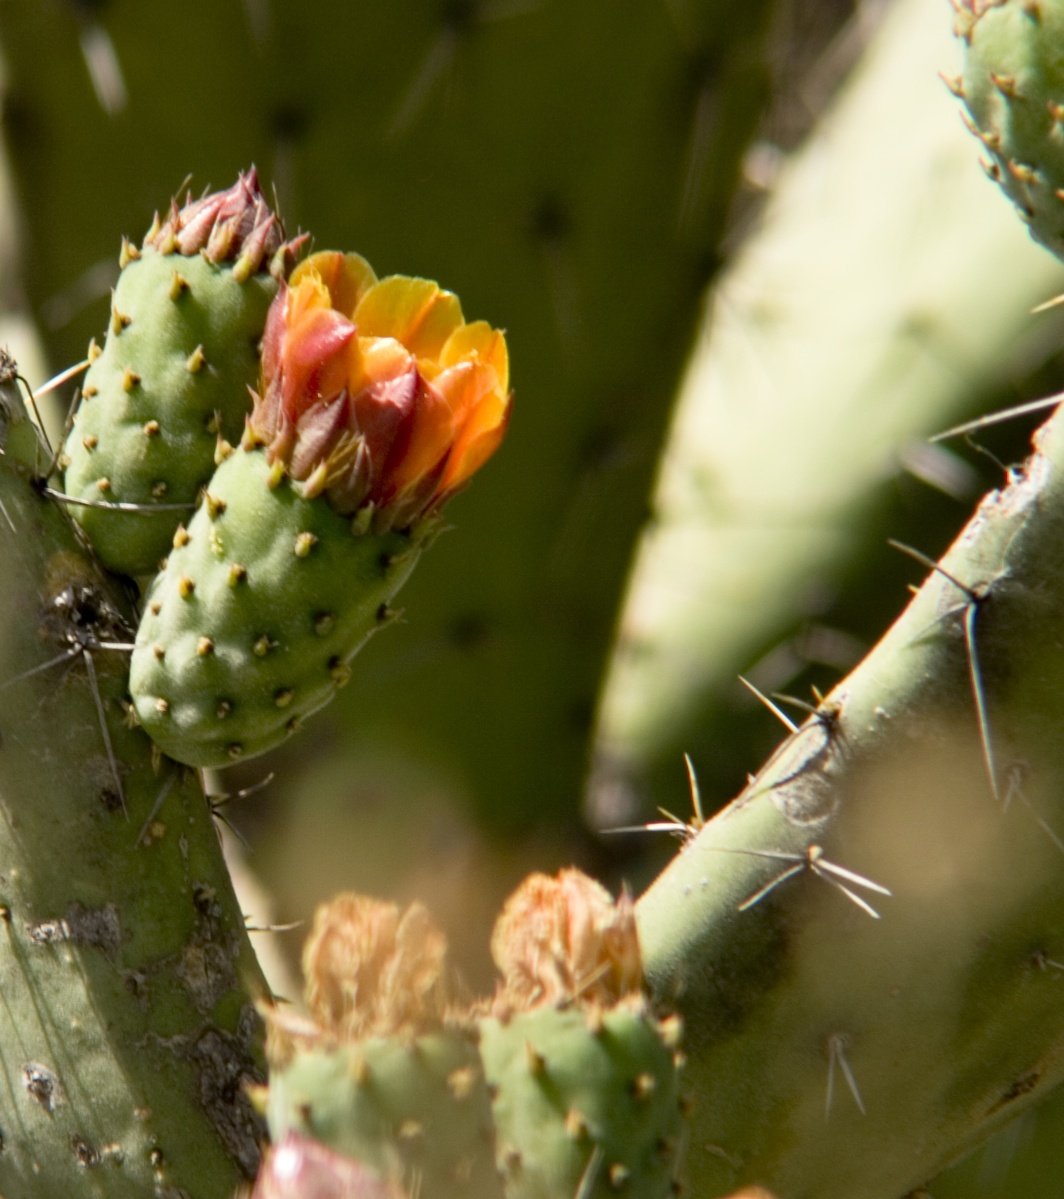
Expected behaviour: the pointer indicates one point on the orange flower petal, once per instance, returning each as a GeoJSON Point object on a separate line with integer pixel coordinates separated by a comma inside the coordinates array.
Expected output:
{"type": "Point", "coordinates": [382, 357]}
{"type": "Point", "coordinates": [417, 312]}
{"type": "Point", "coordinates": [430, 437]}
{"type": "Point", "coordinates": [318, 356]}
{"type": "Point", "coordinates": [481, 410]}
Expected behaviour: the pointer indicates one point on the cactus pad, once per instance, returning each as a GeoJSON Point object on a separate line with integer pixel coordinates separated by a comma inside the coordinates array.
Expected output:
{"type": "Point", "coordinates": [585, 1102]}
{"type": "Point", "coordinates": [180, 353]}
{"type": "Point", "coordinates": [407, 1108]}
{"type": "Point", "coordinates": [264, 599]}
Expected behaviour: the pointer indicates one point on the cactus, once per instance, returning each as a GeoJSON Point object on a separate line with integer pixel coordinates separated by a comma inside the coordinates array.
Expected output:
{"type": "Point", "coordinates": [180, 353]}
{"type": "Point", "coordinates": [1013, 87]}
{"type": "Point", "coordinates": [127, 1023]}
{"type": "Point", "coordinates": [385, 1070]}
{"type": "Point", "coordinates": [863, 946]}
{"type": "Point", "coordinates": [311, 526]}
{"type": "Point", "coordinates": [933, 773]}
{"type": "Point", "coordinates": [789, 496]}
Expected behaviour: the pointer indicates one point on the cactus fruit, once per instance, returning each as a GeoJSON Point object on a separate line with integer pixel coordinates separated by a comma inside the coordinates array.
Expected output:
{"type": "Point", "coordinates": [383, 1073]}
{"type": "Point", "coordinates": [378, 402]}
{"type": "Point", "coordinates": [584, 1078]}
{"type": "Point", "coordinates": [180, 353]}
{"type": "Point", "coordinates": [1013, 87]}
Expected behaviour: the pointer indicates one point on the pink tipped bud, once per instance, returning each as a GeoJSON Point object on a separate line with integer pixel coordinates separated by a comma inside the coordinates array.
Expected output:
{"type": "Point", "coordinates": [236, 226]}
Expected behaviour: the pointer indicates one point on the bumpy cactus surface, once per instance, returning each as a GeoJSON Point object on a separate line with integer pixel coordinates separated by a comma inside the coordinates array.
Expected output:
{"type": "Point", "coordinates": [127, 1023]}
{"type": "Point", "coordinates": [1013, 87]}
{"type": "Point", "coordinates": [378, 402]}
{"type": "Point", "coordinates": [178, 358]}
{"type": "Point", "coordinates": [860, 942]}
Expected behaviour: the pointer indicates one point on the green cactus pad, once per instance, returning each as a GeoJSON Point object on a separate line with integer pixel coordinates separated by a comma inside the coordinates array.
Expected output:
{"type": "Point", "coordinates": [408, 1107]}
{"type": "Point", "coordinates": [180, 353]}
{"type": "Point", "coordinates": [1013, 86]}
{"type": "Point", "coordinates": [585, 1103]}
{"type": "Point", "coordinates": [262, 603]}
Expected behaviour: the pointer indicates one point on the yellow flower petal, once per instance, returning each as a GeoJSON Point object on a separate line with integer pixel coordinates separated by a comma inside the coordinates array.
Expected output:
{"type": "Point", "coordinates": [478, 340]}
{"type": "Point", "coordinates": [417, 312]}
{"type": "Point", "coordinates": [345, 277]}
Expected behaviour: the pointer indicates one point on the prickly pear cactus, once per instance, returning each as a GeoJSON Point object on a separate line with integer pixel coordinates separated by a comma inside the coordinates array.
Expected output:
{"type": "Point", "coordinates": [584, 1077]}
{"type": "Point", "coordinates": [383, 1072]}
{"type": "Point", "coordinates": [311, 525]}
{"type": "Point", "coordinates": [127, 1023]}
{"type": "Point", "coordinates": [1013, 87]}
{"type": "Point", "coordinates": [178, 358]}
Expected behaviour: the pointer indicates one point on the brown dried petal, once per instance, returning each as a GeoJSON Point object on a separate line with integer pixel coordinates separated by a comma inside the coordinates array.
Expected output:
{"type": "Point", "coordinates": [371, 967]}
{"type": "Point", "coordinates": [565, 938]}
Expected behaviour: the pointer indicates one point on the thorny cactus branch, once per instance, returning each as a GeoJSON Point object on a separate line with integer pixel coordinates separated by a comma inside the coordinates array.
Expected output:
{"type": "Point", "coordinates": [834, 1054]}
{"type": "Point", "coordinates": [127, 1029]}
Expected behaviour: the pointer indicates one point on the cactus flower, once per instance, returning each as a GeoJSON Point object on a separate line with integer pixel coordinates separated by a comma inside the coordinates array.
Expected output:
{"type": "Point", "coordinates": [377, 393]}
